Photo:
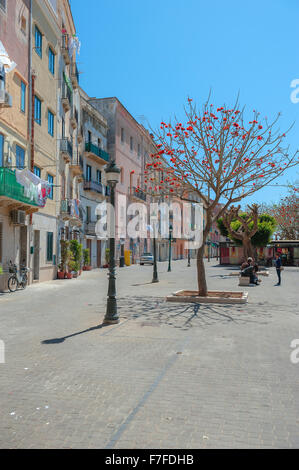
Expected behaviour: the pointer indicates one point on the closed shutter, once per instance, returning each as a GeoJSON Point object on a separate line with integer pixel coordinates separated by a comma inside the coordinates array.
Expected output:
{"type": "Point", "coordinates": [49, 246]}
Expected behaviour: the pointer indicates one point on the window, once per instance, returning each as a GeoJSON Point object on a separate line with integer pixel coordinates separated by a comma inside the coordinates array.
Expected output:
{"type": "Point", "coordinates": [37, 171]}
{"type": "Point", "coordinates": [88, 213]}
{"type": "Point", "coordinates": [51, 181]}
{"type": "Point", "coordinates": [50, 123]}
{"type": "Point", "coordinates": [23, 97]}
{"type": "Point", "coordinates": [3, 4]}
{"type": "Point", "coordinates": [89, 136]}
{"type": "Point", "coordinates": [1, 150]}
{"type": "Point", "coordinates": [20, 157]}
{"type": "Point", "coordinates": [122, 134]}
{"type": "Point", "coordinates": [62, 127]}
{"type": "Point", "coordinates": [99, 176]}
{"type": "Point", "coordinates": [51, 61]}
{"type": "Point", "coordinates": [37, 110]}
{"type": "Point", "coordinates": [23, 25]}
{"type": "Point", "coordinates": [88, 173]}
{"type": "Point", "coordinates": [38, 42]}
{"type": "Point", "coordinates": [99, 143]}
{"type": "Point", "coordinates": [49, 246]}
{"type": "Point", "coordinates": [131, 144]}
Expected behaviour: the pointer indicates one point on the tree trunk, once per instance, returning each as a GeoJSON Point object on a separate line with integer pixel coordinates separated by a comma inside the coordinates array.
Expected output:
{"type": "Point", "coordinates": [247, 248]}
{"type": "Point", "coordinates": [201, 275]}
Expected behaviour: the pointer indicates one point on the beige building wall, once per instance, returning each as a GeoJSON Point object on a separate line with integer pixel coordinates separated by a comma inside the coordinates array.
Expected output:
{"type": "Point", "coordinates": [45, 145]}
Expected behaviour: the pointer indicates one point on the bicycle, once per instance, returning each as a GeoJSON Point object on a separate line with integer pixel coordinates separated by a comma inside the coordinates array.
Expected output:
{"type": "Point", "coordinates": [17, 280]}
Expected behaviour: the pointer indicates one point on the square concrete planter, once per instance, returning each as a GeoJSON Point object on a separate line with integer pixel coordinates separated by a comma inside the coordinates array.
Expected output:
{"type": "Point", "coordinates": [213, 297]}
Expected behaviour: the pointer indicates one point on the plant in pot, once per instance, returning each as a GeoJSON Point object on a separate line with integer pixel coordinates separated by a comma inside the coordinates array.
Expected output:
{"type": "Point", "coordinates": [76, 250]}
{"type": "Point", "coordinates": [64, 247]}
{"type": "Point", "coordinates": [107, 256]}
{"type": "Point", "coordinates": [70, 265]}
{"type": "Point", "coordinates": [86, 260]}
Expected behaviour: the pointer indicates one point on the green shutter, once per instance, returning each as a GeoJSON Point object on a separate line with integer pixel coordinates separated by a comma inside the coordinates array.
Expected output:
{"type": "Point", "coordinates": [49, 246]}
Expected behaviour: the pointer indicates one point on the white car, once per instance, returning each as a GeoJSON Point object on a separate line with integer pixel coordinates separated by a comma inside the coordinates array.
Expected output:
{"type": "Point", "coordinates": [146, 258]}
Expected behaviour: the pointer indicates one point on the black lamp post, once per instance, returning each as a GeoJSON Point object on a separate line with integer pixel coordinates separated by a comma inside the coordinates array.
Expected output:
{"type": "Point", "coordinates": [112, 178]}
{"type": "Point", "coordinates": [170, 238]}
{"type": "Point", "coordinates": [155, 271]}
{"type": "Point", "coordinates": [189, 264]}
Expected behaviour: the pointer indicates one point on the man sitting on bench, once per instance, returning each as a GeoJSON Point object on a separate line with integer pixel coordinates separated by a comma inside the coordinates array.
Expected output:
{"type": "Point", "coordinates": [249, 270]}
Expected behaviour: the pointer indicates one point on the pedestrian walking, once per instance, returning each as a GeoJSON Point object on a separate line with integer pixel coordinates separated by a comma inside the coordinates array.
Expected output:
{"type": "Point", "coordinates": [279, 267]}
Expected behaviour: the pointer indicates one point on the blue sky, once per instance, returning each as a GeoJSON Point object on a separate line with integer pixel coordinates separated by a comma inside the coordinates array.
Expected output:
{"type": "Point", "coordinates": [153, 54]}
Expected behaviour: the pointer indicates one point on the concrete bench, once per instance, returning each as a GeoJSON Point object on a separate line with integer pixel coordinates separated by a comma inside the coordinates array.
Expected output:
{"type": "Point", "coordinates": [259, 273]}
{"type": "Point", "coordinates": [244, 281]}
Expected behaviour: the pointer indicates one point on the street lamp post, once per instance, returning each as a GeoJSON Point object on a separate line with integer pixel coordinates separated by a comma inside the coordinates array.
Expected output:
{"type": "Point", "coordinates": [189, 264]}
{"type": "Point", "coordinates": [112, 178]}
{"type": "Point", "coordinates": [170, 238]}
{"type": "Point", "coordinates": [155, 271]}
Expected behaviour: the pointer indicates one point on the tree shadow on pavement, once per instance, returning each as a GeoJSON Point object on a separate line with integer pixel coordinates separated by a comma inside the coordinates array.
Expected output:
{"type": "Point", "coordinates": [186, 316]}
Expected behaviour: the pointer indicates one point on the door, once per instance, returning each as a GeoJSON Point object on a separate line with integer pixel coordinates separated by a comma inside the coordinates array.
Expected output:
{"type": "Point", "coordinates": [36, 255]}
{"type": "Point", "coordinates": [99, 253]}
{"type": "Point", "coordinates": [23, 246]}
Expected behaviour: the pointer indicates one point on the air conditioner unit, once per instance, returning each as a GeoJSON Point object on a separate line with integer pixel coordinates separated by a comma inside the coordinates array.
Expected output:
{"type": "Point", "coordinates": [5, 99]}
{"type": "Point", "coordinates": [18, 217]}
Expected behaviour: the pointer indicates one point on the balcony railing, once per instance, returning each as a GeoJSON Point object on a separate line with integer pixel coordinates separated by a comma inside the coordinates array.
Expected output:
{"type": "Point", "coordinates": [66, 147]}
{"type": "Point", "coordinates": [66, 96]}
{"type": "Point", "coordinates": [70, 209]}
{"type": "Point", "coordinates": [65, 48]}
{"type": "Point", "coordinates": [10, 188]}
{"type": "Point", "coordinates": [92, 148]}
{"type": "Point", "coordinates": [93, 186]}
{"type": "Point", "coordinates": [74, 74]}
{"type": "Point", "coordinates": [138, 193]}
{"type": "Point", "coordinates": [90, 228]}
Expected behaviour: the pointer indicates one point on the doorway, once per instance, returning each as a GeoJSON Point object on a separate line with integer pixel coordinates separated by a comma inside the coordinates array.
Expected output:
{"type": "Point", "coordinates": [36, 255]}
{"type": "Point", "coordinates": [23, 245]}
{"type": "Point", "coordinates": [99, 253]}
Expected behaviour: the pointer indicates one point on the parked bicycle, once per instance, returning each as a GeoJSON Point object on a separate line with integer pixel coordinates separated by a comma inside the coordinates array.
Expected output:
{"type": "Point", "coordinates": [17, 280]}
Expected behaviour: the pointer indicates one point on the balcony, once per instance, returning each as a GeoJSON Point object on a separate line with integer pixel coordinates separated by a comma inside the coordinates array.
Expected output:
{"type": "Point", "coordinates": [76, 167]}
{"type": "Point", "coordinates": [5, 99]}
{"type": "Point", "coordinates": [95, 153]}
{"type": "Point", "coordinates": [66, 97]}
{"type": "Point", "coordinates": [65, 48]}
{"type": "Point", "coordinates": [93, 186]}
{"type": "Point", "coordinates": [90, 228]}
{"type": "Point", "coordinates": [66, 149]}
{"type": "Point", "coordinates": [70, 211]}
{"type": "Point", "coordinates": [137, 194]}
{"type": "Point", "coordinates": [14, 196]}
{"type": "Point", "coordinates": [74, 75]}
{"type": "Point", "coordinates": [74, 118]}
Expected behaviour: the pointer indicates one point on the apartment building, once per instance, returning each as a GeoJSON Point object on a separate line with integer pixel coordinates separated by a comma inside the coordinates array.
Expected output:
{"type": "Point", "coordinates": [20, 193]}
{"type": "Point", "coordinates": [45, 58]}
{"type": "Point", "coordinates": [130, 145]}
{"type": "Point", "coordinates": [94, 190]}
{"type": "Point", "coordinates": [69, 138]}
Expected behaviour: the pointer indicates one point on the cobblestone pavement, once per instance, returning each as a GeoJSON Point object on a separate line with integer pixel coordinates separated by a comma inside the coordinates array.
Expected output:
{"type": "Point", "coordinates": [168, 376]}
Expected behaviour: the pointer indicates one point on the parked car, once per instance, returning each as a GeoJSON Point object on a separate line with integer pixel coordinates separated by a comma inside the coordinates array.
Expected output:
{"type": "Point", "coordinates": [146, 258]}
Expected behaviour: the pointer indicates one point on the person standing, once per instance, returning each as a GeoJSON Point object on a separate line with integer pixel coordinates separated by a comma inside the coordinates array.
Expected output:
{"type": "Point", "coordinates": [278, 265]}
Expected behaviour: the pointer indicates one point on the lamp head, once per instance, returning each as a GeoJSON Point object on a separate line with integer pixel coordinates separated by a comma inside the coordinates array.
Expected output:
{"type": "Point", "coordinates": [112, 173]}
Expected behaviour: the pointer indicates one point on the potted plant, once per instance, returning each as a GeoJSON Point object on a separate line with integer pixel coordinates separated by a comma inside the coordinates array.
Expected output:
{"type": "Point", "coordinates": [76, 250]}
{"type": "Point", "coordinates": [107, 257]}
{"type": "Point", "coordinates": [86, 260]}
{"type": "Point", "coordinates": [64, 244]}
